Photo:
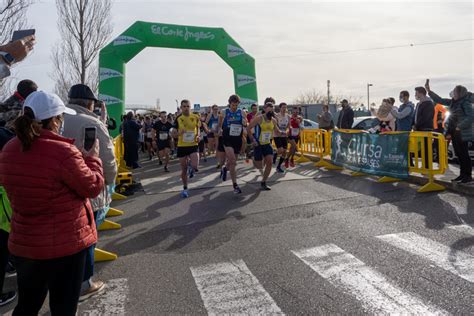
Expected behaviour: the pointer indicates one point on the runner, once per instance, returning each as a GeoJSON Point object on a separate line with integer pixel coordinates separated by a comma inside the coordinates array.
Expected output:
{"type": "Point", "coordinates": [212, 122]}
{"type": "Point", "coordinates": [281, 142]}
{"type": "Point", "coordinates": [148, 136]}
{"type": "Point", "coordinates": [231, 123]}
{"type": "Point", "coordinates": [203, 141]}
{"type": "Point", "coordinates": [265, 126]}
{"type": "Point", "coordinates": [187, 125]}
{"type": "Point", "coordinates": [293, 135]}
{"type": "Point", "coordinates": [162, 138]}
{"type": "Point", "coordinates": [250, 116]}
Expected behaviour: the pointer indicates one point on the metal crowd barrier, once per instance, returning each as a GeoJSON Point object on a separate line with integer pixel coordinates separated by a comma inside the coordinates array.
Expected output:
{"type": "Point", "coordinates": [421, 154]}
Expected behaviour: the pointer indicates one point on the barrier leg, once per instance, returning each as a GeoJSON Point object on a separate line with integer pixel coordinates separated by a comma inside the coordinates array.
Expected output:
{"type": "Point", "coordinates": [327, 165]}
{"type": "Point", "coordinates": [113, 212]}
{"type": "Point", "coordinates": [108, 225]}
{"type": "Point", "coordinates": [302, 159]}
{"type": "Point", "coordinates": [357, 174]}
{"type": "Point", "coordinates": [388, 180]}
{"type": "Point", "coordinates": [118, 196]}
{"type": "Point", "coordinates": [431, 186]}
{"type": "Point", "coordinates": [102, 255]}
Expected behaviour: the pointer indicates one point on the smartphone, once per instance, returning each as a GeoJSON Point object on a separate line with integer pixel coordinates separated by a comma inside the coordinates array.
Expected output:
{"type": "Point", "coordinates": [17, 35]}
{"type": "Point", "coordinates": [89, 138]}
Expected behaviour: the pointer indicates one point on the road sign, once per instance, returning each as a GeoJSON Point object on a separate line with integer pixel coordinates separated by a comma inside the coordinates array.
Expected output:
{"type": "Point", "coordinates": [197, 107]}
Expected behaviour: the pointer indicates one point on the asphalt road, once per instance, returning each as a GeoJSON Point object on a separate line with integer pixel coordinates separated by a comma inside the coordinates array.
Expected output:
{"type": "Point", "coordinates": [319, 243]}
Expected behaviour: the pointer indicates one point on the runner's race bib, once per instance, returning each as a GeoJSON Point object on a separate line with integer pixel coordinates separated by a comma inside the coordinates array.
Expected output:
{"type": "Point", "coordinates": [235, 130]}
{"type": "Point", "coordinates": [149, 134]}
{"type": "Point", "coordinates": [266, 137]}
{"type": "Point", "coordinates": [189, 137]}
{"type": "Point", "coordinates": [163, 136]}
{"type": "Point", "coordinates": [214, 126]}
{"type": "Point", "coordinates": [295, 131]}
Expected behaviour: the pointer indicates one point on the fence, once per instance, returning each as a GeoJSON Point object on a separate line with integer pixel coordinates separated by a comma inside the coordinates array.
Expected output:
{"type": "Point", "coordinates": [427, 154]}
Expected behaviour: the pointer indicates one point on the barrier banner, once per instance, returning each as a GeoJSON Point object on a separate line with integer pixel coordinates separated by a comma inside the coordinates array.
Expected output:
{"type": "Point", "coordinates": [378, 154]}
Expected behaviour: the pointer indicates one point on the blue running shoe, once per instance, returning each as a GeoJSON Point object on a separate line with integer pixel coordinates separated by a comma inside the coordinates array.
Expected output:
{"type": "Point", "coordinates": [184, 194]}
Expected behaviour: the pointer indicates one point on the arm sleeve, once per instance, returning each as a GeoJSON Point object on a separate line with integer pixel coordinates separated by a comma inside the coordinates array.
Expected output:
{"type": "Point", "coordinates": [83, 175]}
{"type": "Point", "coordinates": [437, 99]}
{"type": "Point", "coordinates": [106, 154]}
{"type": "Point", "coordinates": [402, 114]}
{"type": "Point", "coordinates": [467, 120]}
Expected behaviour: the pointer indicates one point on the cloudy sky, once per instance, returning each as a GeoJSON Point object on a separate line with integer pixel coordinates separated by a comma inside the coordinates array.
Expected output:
{"type": "Point", "coordinates": [298, 45]}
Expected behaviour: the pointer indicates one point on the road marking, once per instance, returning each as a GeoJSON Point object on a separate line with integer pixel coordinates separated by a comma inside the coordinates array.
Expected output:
{"type": "Point", "coordinates": [230, 288]}
{"type": "Point", "coordinates": [452, 260]}
{"type": "Point", "coordinates": [456, 201]}
{"type": "Point", "coordinates": [463, 229]}
{"type": "Point", "coordinates": [376, 293]}
{"type": "Point", "coordinates": [111, 301]}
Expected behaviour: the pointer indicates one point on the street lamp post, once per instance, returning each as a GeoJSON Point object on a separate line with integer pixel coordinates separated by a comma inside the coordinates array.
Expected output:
{"type": "Point", "coordinates": [329, 85]}
{"type": "Point", "coordinates": [368, 95]}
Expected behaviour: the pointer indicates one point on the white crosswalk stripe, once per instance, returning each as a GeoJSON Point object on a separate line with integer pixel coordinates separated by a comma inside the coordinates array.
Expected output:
{"type": "Point", "coordinates": [455, 261]}
{"type": "Point", "coordinates": [231, 288]}
{"type": "Point", "coordinates": [372, 289]}
{"type": "Point", "coordinates": [466, 229]}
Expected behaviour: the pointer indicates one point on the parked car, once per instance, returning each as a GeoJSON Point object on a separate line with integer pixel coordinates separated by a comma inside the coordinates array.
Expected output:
{"type": "Point", "coordinates": [308, 124]}
{"type": "Point", "coordinates": [363, 122]}
{"type": "Point", "coordinates": [452, 156]}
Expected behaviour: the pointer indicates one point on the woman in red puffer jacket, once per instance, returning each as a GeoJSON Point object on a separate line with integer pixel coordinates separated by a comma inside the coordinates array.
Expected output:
{"type": "Point", "coordinates": [49, 181]}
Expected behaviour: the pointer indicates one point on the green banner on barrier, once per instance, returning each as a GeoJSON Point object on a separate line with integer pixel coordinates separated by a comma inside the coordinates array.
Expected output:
{"type": "Point", "coordinates": [378, 154]}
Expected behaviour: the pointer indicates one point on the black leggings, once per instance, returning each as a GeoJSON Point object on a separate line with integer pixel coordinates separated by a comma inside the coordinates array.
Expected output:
{"type": "Point", "coordinates": [61, 276]}
{"type": "Point", "coordinates": [3, 256]}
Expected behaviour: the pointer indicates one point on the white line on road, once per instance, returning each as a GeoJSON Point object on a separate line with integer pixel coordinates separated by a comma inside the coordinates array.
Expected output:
{"type": "Point", "coordinates": [455, 261]}
{"type": "Point", "coordinates": [230, 288]}
{"type": "Point", "coordinates": [463, 229]}
{"type": "Point", "coordinates": [111, 301]}
{"type": "Point", "coordinates": [376, 294]}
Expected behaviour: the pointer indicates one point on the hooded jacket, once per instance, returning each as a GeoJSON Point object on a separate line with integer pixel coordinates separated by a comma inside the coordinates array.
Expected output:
{"type": "Point", "coordinates": [74, 127]}
{"type": "Point", "coordinates": [48, 187]}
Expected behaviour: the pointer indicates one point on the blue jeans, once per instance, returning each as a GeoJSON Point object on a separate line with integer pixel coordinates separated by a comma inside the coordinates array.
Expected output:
{"type": "Point", "coordinates": [99, 218]}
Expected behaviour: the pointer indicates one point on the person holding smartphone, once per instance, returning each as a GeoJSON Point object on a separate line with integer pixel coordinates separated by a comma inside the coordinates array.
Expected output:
{"type": "Point", "coordinates": [52, 225]}
{"type": "Point", "coordinates": [84, 127]}
{"type": "Point", "coordinates": [14, 52]}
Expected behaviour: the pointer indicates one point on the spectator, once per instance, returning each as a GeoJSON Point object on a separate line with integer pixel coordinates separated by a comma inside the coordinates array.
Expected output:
{"type": "Point", "coordinates": [405, 113]}
{"type": "Point", "coordinates": [14, 52]}
{"type": "Point", "coordinates": [424, 111]}
{"type": "Point", "coordinates": [325, 120]}
{"type": "Point", "coordinates": [385, 118]}
{"type": "Point", "coordinates": [82, 100]}
{"type": "Point", "coordinates": [346, 116]}
{"type": "Point", "coordinates": [439, 117]}
{"type": "Point", "coordinates": [131, 134]}
{"type": "Point", "coordinates": [460, 127]}
{"type": "Point", "coordinates": [10, 109]}
{"type": "Point", "coordinates": [52, 224]}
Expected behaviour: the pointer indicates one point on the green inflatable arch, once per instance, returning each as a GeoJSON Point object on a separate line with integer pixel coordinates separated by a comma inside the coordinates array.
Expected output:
{"type": "Point", "coordinates": [115, 55]}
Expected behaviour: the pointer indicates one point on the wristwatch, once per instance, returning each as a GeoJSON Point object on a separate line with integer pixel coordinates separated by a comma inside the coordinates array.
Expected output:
{"type": "Point", "coordinates": [7, 58]}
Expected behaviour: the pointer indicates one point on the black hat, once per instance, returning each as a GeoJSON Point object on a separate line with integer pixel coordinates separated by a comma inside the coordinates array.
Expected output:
{"type": "Point", "coordinates": [81, 91]}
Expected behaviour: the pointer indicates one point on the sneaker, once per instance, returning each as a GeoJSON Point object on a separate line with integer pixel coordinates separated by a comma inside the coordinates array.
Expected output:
{"type": "Point", "coordinates": [6, 298]}
{"type": "Point", "coordinates": [184, 194]}
{"type": "Point", "coordinates": [224, 173]}
{"type": "Point", "coordinates": [166, 169]}
{"type": "Point", "coordinates": [264, 186]}
{"type": "Point", "coordinates": [237, 190]}
{"type": "Point", "coordinates": [287, 164]}
{"type": "Point", "coordinates": [10, 269]}
{"type": "Point", "coordinates": [292, 163]}
{"type": "Point", "coordinates": [279, 170]}
{"type": "Point", "coordinates": [466, 181]}
{"type": "Point", "coordinates": [95, 287]}
{"type": "Point", "coordinates": [457, 179]}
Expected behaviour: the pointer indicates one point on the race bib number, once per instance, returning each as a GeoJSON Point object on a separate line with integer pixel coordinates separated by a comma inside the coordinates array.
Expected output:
{"type": "Point", "coordinates": [149, 134]}
{"type": "Point", "coordinates": [295, 131]}
{"type": "Point", "coordinates": [235, 130]}
{"type": "Point", "coordinates": [266, 137]}
{"type": "Point", "coordinates": [214, 126]}
{"type": "Point", "coordinates": [163, 136]}
{"type": "Point", "coordinates": [189, 137]}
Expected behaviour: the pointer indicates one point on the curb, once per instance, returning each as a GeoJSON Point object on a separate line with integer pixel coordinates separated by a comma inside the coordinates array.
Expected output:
{"type": "Point", "coordinates": [420, 180]}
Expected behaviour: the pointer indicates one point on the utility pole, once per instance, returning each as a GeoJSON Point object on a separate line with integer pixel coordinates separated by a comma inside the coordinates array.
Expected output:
{"type": "Point", "coordinates": [368, 96]}
{"type": "Point", "coordinates": [329, 85]}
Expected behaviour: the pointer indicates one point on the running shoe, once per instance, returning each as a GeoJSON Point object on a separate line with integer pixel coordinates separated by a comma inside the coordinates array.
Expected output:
{"type": "Point", "coordinates": [292, 163]}
{"type": "Point", "coordinates": [224, 173]}
{"type": "Point", "coordinates": [166, 169]}
{"type": "Point", "coordinates": [264, 186]}
{"type": "Point", "coordinates": [160, 162]}
{"type": "Point", "coordinates": [237, 190]}
{"type": "Point", "coordinates": [287, 164]}
{"type": "Point", "coordinates": [6, 298]}
{"type": "Point", "coordinates": [184, 194]}
{"type": "Point", "coordinates": [279, 170]}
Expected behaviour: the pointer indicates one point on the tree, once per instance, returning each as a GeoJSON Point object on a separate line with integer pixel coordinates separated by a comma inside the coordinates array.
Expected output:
{"type": "Point", "coordinates": [12, 18]}
{"type": "Point", "coordinates": [85, 27]}
{"type": "Point", "coordinates": [317, 97]}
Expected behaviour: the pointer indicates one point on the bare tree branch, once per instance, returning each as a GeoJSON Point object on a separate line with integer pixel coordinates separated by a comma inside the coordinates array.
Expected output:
{"type": "Point", "coordinates": [316, 97]}
{"type": "Point", "coordinates": [85, 27]}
